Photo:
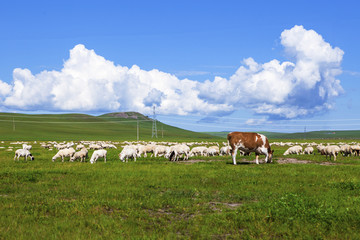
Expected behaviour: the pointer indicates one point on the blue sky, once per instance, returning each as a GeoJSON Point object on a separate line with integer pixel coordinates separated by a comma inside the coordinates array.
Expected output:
{"type": "Point", "coordinates": [206, 65]}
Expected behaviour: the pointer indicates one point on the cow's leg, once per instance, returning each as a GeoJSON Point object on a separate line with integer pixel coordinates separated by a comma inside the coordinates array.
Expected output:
{"type": "Point", "coordinates": [233, 154]}
{"type": "Point", "coordinates": [257, 158]}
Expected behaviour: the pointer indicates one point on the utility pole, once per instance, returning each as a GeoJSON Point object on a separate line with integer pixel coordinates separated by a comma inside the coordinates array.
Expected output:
{"type": "Point", "coordinates": [154, 129]}
{"type": "Point", "coordinates": [137, 130]}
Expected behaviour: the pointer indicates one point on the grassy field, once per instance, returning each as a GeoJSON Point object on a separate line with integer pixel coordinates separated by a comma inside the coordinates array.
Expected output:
{"type": "Point", "coordinates": [26, 127]}
{"type": "Point", "coordinates": [153, 198]}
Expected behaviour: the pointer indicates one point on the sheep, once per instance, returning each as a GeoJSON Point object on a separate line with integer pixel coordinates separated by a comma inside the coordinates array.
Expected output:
{"type": "Point", "coordinates": [175, 151]}
{"type": "Point", "coordinates": [355, 150]}
{"type": "Point", "coordinates": [293, 150]}
{"type": "Point", "coordinates": [23, 153]}
{"type": "Point", "coordinates": [144, 149]}
{"type": "Point", "coordinates": [345, 150]}
{"type": "Point", "coordinates": [211, 152]}
{"type": "Point", "coordinates": [225, 151]}
{"type": "Point", "coordinates": [80, 146]}
{"type": "Point", "coordinates": [60, 146]}
{"type": "Point", "coordinates": [128, 152]}
{"type": "Point", "coordinates": [101, 153]}
{"type": "Point", "coordinates": [160, 150]}
{"type": "Point", "coordinates": [67, 152]}
{"type": "Point", "coordinates": [308, 150]}
{"type": "Point", "coordinates": [27, 147]}
{"type": "Point", "coordinates": [82, 155]}
{"type": "Point", "coordinates": [331, 150]}
{"type": "Point", "coordinates": [197, 151]}
{"type": "Point", "coordinates": [95, 146]}
{"type": "Point", "coordinates": [320, 149]}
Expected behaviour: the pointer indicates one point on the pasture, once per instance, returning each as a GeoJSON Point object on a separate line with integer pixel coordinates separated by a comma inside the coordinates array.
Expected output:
{"type": "Point", "coordinates": [201, 198]}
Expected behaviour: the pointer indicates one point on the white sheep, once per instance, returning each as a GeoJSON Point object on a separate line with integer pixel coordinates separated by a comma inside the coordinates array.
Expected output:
{"type": "Point", "coordinates": [82, 155]}
{"type": "Point", "coordinates": [345, 150]}
{"type": "Point", "coordinates": [198, 151]}
{"type": "Point", "coordinates": [225, 151]}
{"type": "Point", "coordinates": [23, 153]}
{"type": "Point", "coordinates": [176, 151]}
{"type": "Point", "coordinates": [293, 150]}
{"type": "Point", "coordinates": [67, 152]}
{"type": "Point", "coordinates": [160, 150]}
{"type": "Point", "coordinates": [144, 149]}
{"type": "Point", "coordinates": [98, 154]}
{"type": "Point", "coordinates": [128, 152]}
{"type": "Point", "coordinates": [308, 150]}
{"type": "Point", "coordinates": [27, 147]}
{"type": "Point", "coordinates": [80, 146]}
{"type": "Point", "coordinates": [331, 150]}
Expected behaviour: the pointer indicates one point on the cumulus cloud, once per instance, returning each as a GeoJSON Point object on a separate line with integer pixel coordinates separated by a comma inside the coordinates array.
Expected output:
{"type": "Point", "coordinates": [88, 82]}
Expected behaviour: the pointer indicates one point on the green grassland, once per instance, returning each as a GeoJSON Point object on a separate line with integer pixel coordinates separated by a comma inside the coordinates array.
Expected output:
{"type": "Point", "coordinates": [114, 126]}
{"type": "Point", "coordinates": [153, 198]}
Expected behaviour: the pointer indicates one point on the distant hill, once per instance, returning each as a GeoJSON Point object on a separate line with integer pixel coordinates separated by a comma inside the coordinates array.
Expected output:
{"type": "Point", "coordinates": [118, 126]}
{"type": "Point", "coordinates": [353, 134]}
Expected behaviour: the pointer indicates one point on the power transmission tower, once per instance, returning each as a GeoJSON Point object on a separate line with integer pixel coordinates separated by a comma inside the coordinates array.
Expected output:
{"type": "Point", "coordinates": [154, 129]}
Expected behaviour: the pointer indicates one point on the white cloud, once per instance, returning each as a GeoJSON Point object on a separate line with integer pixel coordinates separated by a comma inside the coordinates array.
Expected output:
{"type": "Point", "coordinates": [89, 82]}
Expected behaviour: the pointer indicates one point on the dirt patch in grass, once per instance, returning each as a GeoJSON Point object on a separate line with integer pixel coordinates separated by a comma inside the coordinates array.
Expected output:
{"type": "Point", "coordinates": [297, 161]}
{"type": "Point", "coordinates": [261, 161]}
{"type": "Point", "coordinates": [216, 206]}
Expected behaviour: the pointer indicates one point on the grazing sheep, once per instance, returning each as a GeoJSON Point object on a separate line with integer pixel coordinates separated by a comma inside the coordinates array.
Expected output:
{"type": "Point", "coordinates": [225, 151]}
{"type": "Point", "coordinates": [128, 152]}
{"type": "Point", "coordinates": [160, 150]}
{"type": "Point", "coordinates": [82, 155]}
{"type": "Point", "coordinates": [197, 151]}
{"type": "Point", "coordinates": [95, 146]}
{"type": "Point", "coordinates": [175, 151]}
{"type": "Point", "coordinates": [355, 150]}
{"type": "Point", "coordinates": [331, 150]}
{"type": "Point", "coordinates": [67, 152]}
{"type": "Point", "coordinates": [23, 153]}
{"type": "Point", "coordinates": [144, 149]}
{"type": "Point", "coordinates": [293, 150]}
{"type": "Point", "coordinates": [345, 150]}
{"type": "Point", "coordinates": [308, 150]}
{"type": "Point", "coordinates": [80, 146]}
{"type": "Point", "coordinates": [320, 149]}
{"type": "Point", "coordinates": [27, 147]}
{"type": "Point", "coordinates": [98, 154]}
{"type": "Point", "coordinates": [212, 151]}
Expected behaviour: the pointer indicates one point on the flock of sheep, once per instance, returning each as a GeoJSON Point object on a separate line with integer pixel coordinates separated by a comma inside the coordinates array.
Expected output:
{"type": "Point", "coordinates": [171, 151]}
{"type": "Point", "coordinates": [330, 150]}
{"type": "Point", "coordinates": [131, 150]}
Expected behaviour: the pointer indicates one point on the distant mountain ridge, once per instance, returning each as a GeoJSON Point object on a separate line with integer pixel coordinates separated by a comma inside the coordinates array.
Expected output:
{"type": "Point", "coordinates": [126, 115]}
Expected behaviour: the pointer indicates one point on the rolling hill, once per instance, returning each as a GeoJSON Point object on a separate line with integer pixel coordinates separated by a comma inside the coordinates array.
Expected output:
{"type": "Point", "coordinates": [112, 126]}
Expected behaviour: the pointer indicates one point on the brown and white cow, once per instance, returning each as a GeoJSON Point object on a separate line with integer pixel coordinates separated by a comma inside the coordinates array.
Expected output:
{"type": "Point", "coordinates": [250, 142]}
